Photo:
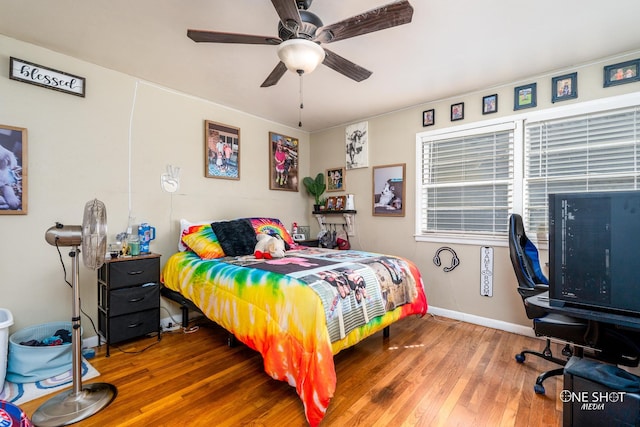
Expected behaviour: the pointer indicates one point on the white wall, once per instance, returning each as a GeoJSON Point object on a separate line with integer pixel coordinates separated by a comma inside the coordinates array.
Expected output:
{"type": "Point", "coordinates": [109, 147]}
{"type": "Point", "coordinates": [392, 139]}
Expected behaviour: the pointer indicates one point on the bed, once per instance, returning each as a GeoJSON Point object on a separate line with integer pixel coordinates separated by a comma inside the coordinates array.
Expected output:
{"type": "Point", "coordinates": [297, 311]}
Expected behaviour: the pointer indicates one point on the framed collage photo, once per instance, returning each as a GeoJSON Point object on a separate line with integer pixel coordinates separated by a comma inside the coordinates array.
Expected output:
{"type": "Point", "coordinates": [283, 162]}
{"type": "Point", "coordinates": [525, 96]}
{"type": "Point", "coordinates": [13, 170]}
{"type": "Point", "coordinates": [564, 87]}
{"type": "Point", "coordinates": [335, 179]}
{"type": "Point", "coordinates": [222, 151]}
{"type": "Point", "coordinates": [389, 190]}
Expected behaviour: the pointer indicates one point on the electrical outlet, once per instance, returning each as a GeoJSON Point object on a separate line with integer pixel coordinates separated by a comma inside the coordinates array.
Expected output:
{"type": "Point", "coordinates": [169, 325]}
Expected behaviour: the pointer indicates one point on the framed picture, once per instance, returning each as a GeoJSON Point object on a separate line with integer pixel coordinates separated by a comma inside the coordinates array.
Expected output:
{"type": "Point", "coordinates": [621, 73]}
{"type": "Point", "coordinates": [428, 117]}
{"type": "Point", "coordinates": [49, 78]}
{"type": "Point", "coordinates": [13, 170]}
{"type": "Point", "coordinates": [330, 204]}
{"type": "Point", "coordinates": [283, 162]}
{"type": "Point", "coordinates": [389, 190]}
{"type": "Point", "coordinates": [357, 145]}
{"type": "Point", "coordinates": [341, 203]}
{"type": "Point", "coordinates": [525, 96]}
{"type": "Point", "coordinates": [222, 151]}
{"type": "Point", "coordinates": [564, 87]}
{"type": "Point", "coordinates": [457, 111]}
{"type": "Point", "coordinates": [490, 104]}
{"type": "Point", "coordinates": [335, 179]}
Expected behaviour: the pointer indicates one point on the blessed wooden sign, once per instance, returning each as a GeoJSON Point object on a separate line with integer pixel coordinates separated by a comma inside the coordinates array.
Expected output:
{"type": "Point", "coordinates": [46, 77]}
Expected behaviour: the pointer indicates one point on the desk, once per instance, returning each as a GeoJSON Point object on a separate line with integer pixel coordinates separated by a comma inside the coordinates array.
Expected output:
{"type": "Point", "coordinates": [542, 301]}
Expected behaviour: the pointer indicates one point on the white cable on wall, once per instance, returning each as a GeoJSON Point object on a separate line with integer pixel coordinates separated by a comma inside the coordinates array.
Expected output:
{"type": "Point", "coordinates": [133, 108]}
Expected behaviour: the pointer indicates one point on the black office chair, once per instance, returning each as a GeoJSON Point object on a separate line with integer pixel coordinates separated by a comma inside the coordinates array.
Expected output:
{"type": "Point", "coordinates": [532, 281]}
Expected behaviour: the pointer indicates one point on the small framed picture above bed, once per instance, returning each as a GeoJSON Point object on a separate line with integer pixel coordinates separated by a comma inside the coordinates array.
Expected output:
{"type": "Point", "coordinates": [283, 162]}
{"type": "Point", "coordinates": [335, 179]}
{"type": "Point", "coordinates": [222, 151]}
{"type": "Point", "coordinates": [389, 190]}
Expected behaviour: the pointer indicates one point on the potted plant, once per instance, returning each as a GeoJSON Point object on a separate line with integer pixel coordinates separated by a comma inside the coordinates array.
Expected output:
{"type": "Point", "coordinates": [316, 188]}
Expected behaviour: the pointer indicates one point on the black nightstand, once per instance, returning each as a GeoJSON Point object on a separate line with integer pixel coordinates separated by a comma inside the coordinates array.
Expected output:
{"type": "Point", "coordinates": [129, 298]}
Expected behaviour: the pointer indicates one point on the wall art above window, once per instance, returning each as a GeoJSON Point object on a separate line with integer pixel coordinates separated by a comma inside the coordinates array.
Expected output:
{"type": "Point", "coordinates": [621, 73]}
{"type": "Point", "coordinates": [564, 87]}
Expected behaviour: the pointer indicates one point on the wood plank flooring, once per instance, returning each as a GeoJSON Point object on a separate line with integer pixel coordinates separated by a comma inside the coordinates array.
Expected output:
{"type": "Point", "coordinates": [431, 371]}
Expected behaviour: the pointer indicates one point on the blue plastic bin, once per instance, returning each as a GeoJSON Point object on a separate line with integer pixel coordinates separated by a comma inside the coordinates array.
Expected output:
{"type": "Point", "coordinates": [29, 364]}
{"type": "Point", "coordinates": [6, 320]}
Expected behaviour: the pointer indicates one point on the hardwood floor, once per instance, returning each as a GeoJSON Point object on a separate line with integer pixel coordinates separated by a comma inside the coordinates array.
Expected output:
{"type": "Point", "coordinates": [431, 371]}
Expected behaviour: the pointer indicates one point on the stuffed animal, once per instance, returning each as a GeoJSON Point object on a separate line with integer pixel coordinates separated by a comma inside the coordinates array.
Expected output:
{"type": "Point", "coordinates": [268, 247]}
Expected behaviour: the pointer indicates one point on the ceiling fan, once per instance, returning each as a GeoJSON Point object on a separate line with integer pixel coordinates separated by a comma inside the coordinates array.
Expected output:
{"type": "Point", "coordinates": [300, 29]}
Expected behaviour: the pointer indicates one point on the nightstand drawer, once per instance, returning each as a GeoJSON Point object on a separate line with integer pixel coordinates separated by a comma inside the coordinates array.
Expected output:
{"type": "Point", "coordinates": [133, 325]}
{"type": "Point", "coordinates": [134, 299]}
{"type": "Point", "coordinates": [134, 272]}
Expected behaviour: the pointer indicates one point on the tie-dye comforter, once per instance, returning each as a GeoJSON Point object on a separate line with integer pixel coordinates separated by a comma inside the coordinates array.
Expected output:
{"type": "Point", "coordinates": [300, 310]}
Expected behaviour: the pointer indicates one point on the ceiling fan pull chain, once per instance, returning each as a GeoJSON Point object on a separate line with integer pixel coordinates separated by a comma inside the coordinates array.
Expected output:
{"type": "Point", "coordinates": [301, 100]}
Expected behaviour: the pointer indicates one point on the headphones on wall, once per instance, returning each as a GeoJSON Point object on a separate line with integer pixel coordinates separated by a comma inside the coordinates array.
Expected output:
{"type": "Point", "coordinates": [455, 261]}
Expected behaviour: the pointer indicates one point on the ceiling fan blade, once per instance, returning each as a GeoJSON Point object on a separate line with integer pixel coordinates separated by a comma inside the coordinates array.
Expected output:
{"type": "Point", "coordinates": [288, 13]}
{"type": "Point", "coordinates": [388, 16]}
{"type": "Point", "coordinates": [345, 67]}
{"type": "Point", "coordinates": [275, 75]}
{"type": "Point", "coordinates": [220, 37]}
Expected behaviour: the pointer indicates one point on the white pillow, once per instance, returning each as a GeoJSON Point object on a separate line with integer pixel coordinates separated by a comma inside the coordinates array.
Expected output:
{"type": "Point", "coordinates": [184, 226]}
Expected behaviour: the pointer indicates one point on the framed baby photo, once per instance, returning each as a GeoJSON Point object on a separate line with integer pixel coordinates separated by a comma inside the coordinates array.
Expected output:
{"type": "Point", "coordinates": [335, 179]}
{"type": "Point", "coordinates": [13, 170]}
{"type": "Point", "coordinates": [428, 117]}
{"type": "Point", "coordinates": [490, 104]}
{"type": "Point", "coordinates": [222, 151]}
{"type": "Point", "coordinates": [564, 87]}
{"type": "Point", "coordinates": [283, 162]}
{"type": "Point", "coordinates": [525, 96]}
{"type": "Point", "coordinates": [457, 111]}
{"type": "Point", "coordinates": [389, 190]}
{"type": "Point", "coordinates": [621, 73]}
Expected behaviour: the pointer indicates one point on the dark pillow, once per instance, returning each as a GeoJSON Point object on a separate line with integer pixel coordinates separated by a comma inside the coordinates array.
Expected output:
{"type": "Point", "coordinates": [237, 237]}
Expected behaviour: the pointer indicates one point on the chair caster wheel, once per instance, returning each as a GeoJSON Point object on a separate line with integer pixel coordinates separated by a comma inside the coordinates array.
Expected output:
{"type": "Point", "coordinates": [539, 389]}
{"type": "Point", "coordinates": [520, 358]}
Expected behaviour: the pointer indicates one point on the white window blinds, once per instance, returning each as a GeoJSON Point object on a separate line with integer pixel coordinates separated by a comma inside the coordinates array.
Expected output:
{"type": "Point", "coordinates": [467, 182]}
{"type": "Point", "coordinates": [590, 152]}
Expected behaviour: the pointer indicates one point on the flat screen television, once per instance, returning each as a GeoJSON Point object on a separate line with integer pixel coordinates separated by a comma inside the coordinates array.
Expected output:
{"type": "Point", "coordinates": [594, 251]}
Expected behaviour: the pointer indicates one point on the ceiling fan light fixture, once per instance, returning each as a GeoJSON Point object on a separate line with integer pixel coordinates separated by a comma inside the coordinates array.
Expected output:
{"type": "Point", "coordinates": [300, 55]}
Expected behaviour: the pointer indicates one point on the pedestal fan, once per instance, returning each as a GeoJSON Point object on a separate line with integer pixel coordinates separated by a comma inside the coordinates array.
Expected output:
{"type": "Point", "coordinates": [80, 402]}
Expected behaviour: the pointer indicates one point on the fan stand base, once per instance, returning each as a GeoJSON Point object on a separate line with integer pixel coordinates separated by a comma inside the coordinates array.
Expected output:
{"type": "Point", "coordinates": [70, 407]}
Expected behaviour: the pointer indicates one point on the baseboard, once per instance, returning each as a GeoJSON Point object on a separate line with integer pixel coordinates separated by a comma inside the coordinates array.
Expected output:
{"type": "Point", "coordinates": [483, 321]}
{"type": "Point", "coordinates": [457, 315]}
{"type": "Point", "coordinates": [92, 341]}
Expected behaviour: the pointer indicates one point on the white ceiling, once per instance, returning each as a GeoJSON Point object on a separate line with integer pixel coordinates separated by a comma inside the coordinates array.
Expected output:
{"type": "Point", "coordinates": [450, 48]}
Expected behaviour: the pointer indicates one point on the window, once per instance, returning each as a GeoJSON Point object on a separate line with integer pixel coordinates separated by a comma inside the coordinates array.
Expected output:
{"type": "Point", "coordinates": [467, 181]}
{"type": "Point", "coordinates": [470, 178]}
{"type": "Point", "coordinates": [597, 151]}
